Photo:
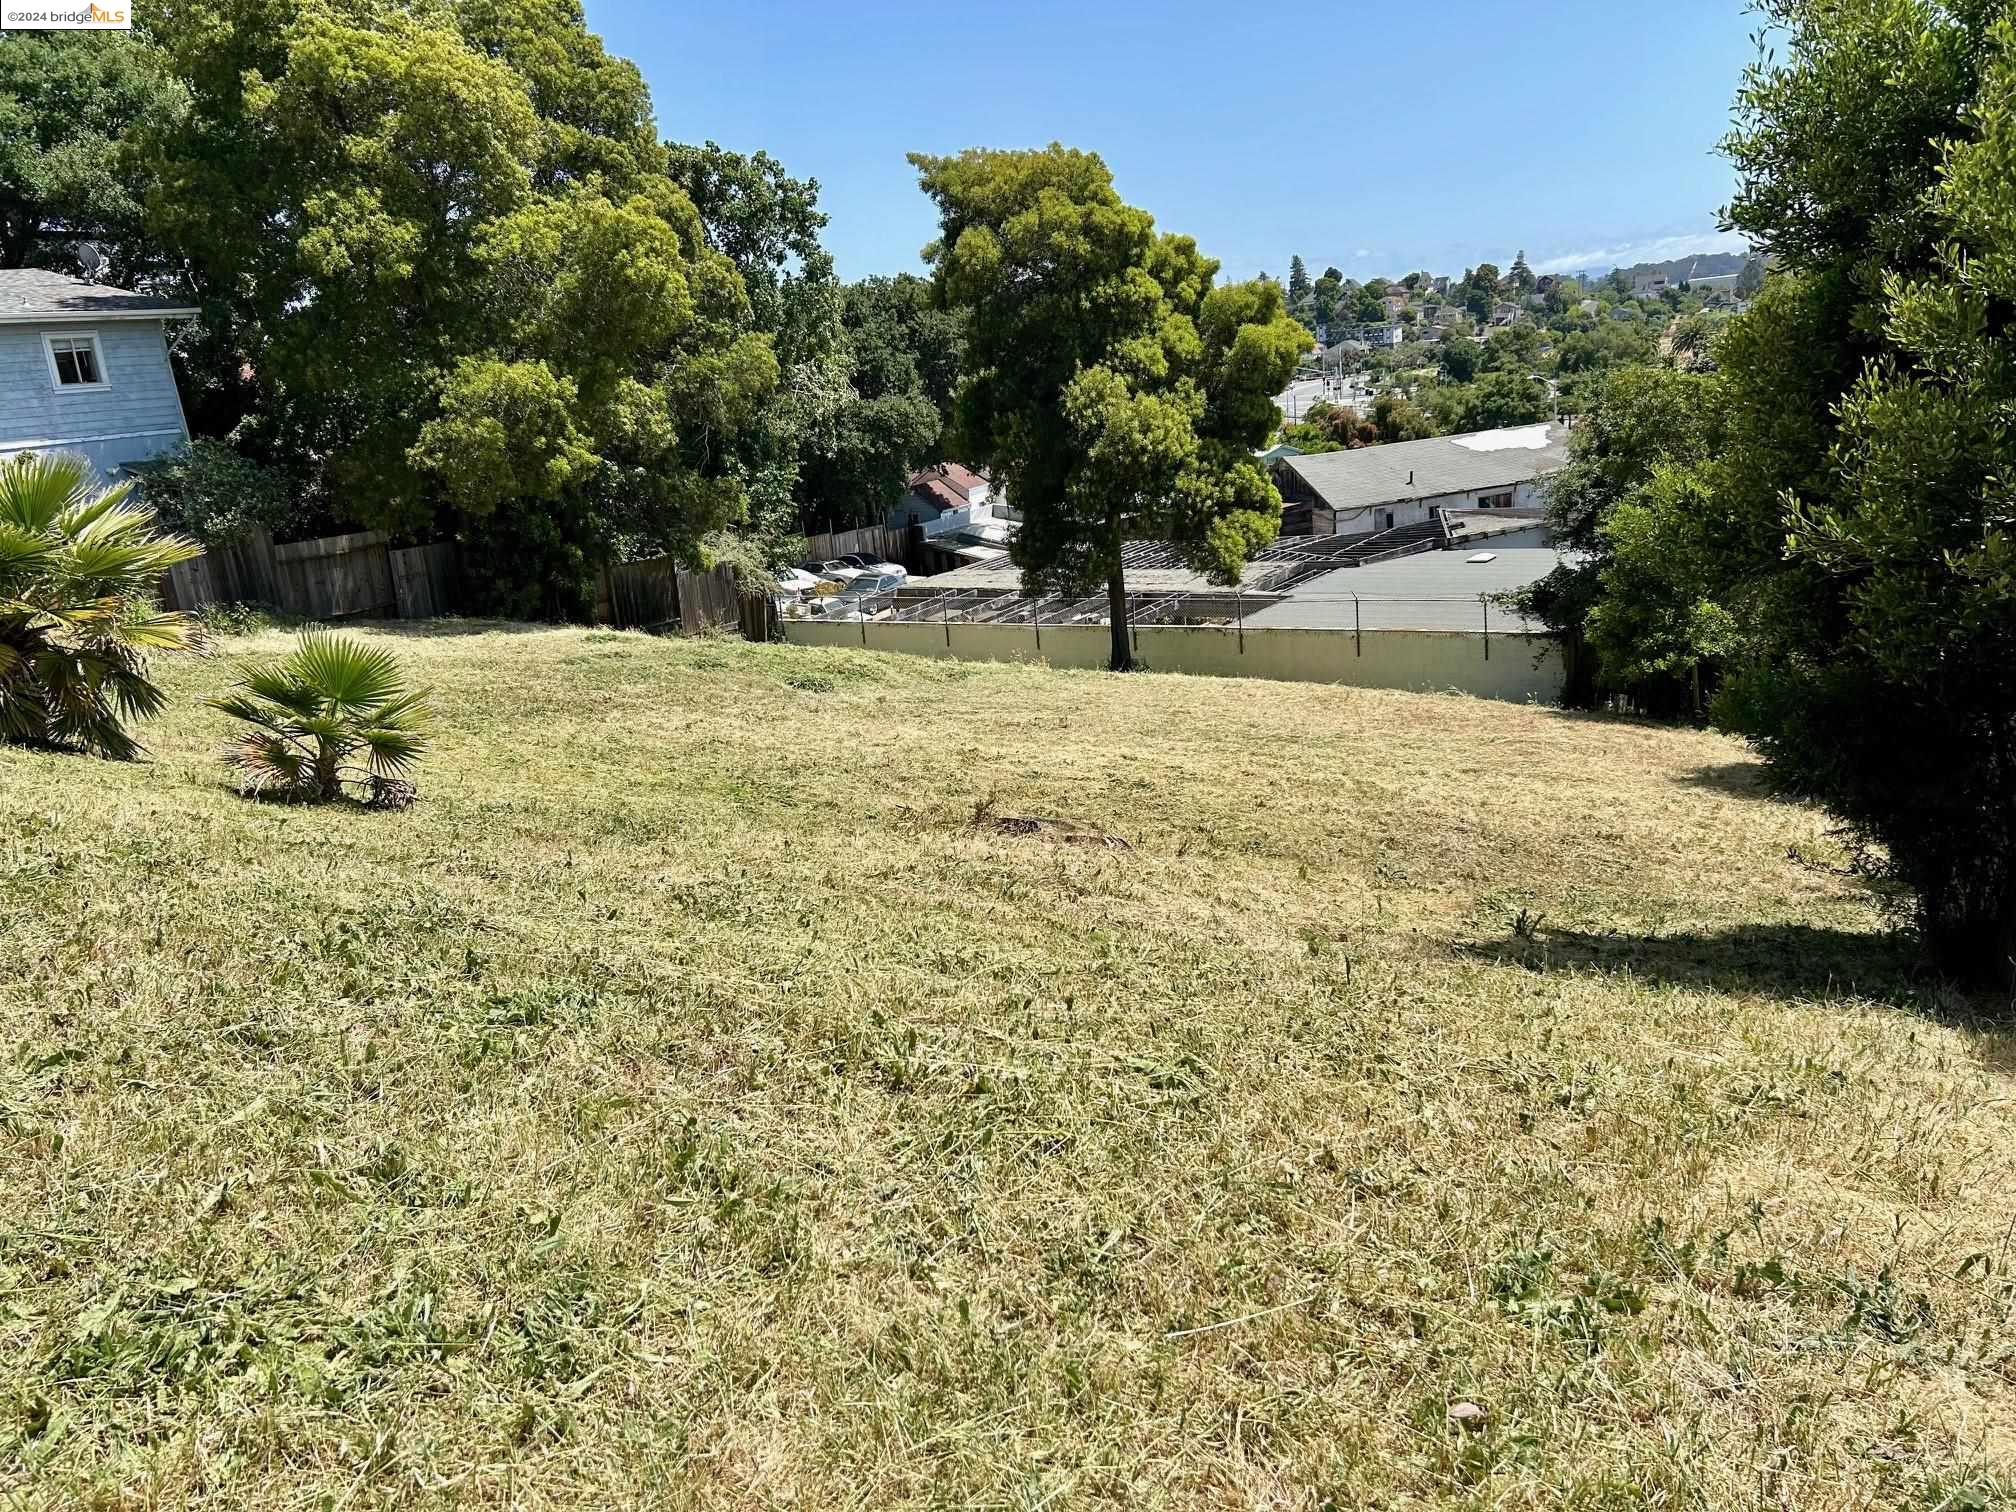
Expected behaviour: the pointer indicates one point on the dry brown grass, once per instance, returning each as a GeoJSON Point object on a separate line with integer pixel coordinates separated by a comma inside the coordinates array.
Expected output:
{"type": "Point", "coordinates": [685, 1104]}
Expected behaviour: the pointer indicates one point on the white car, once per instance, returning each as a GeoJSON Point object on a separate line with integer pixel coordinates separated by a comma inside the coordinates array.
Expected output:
{"type": "Point", "coordinates": [835, 571]}
{"type": "Point", "coordinates": [794, 580]}
{"type": "Point", "coordinates": [882, 569]}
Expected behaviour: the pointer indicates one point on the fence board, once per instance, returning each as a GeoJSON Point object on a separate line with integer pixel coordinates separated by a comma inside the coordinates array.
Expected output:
{"type": "Point", "coordinates": [329, 546]}
{"type": "Point", "coordinates": [889, 542]}
{"type": "Point", "coordinates": [643, 595]}
{"type": "Point", "coordinates": [336, 577]}
{"type": "Point", "coordinates": [423, 580]}
{"type": "Point", "coordinates": [759, 617]}
{"type": "Point", "coordinates": [708, 600]}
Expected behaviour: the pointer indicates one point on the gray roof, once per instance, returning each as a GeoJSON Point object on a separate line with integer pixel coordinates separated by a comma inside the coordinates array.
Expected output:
{"type": "Point", "coordinates": [1374, 475]}
{"type": "Point", "coordinates": [30, 296]}
{"type": "Point", "coordinates": [1435, 590]}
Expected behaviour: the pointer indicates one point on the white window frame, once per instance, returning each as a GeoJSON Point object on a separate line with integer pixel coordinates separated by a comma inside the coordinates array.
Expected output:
{"type": "Point", "coordinates": [49, 340]}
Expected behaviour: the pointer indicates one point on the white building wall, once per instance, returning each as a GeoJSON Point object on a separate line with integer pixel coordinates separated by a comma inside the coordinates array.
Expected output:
{"type": "Point", "coordinates": [1528, 495]}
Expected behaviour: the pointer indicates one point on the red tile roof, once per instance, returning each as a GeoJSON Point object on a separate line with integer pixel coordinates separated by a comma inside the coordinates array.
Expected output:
{"type": "Point", "coordinates": [937, 493]}
{"type": "Point", "coordinates": [963, 480]}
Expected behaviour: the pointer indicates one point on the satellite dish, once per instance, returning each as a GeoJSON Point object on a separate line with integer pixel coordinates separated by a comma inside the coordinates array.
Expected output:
{"type": "Point", "coordinates": [91, 259]}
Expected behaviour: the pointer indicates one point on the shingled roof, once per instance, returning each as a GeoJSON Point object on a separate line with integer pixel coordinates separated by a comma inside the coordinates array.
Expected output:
{"type": "Point", "coordinates": [1402, 470]}
{"type": "Point", "coordinates": [35, 296]}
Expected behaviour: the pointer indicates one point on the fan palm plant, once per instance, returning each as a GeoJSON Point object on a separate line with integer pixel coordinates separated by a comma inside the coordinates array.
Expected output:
{"type": "Point", "coordinates": [78, 566]}
{"type": "Point", "coordinates": [334, 719]}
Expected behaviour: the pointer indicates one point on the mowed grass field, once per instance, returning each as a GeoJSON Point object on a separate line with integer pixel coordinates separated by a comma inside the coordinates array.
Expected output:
{"type": "Point", "coordinates": [688, 1104]}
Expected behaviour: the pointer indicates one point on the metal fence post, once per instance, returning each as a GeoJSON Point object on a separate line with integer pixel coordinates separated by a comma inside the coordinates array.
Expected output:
{"type": "Point", "coordinates": [864, 623]}
{"type": "Point", "coordinates": [945, 618]}
{"type": "Point", "coordinates": [1239, 600]}
{"type": "Point", "coordinates": [1036, 619]}
{"type": "Point", "coordinates": [1485, 600]}
{"type": "Point", "coordinates": [1357, 628]}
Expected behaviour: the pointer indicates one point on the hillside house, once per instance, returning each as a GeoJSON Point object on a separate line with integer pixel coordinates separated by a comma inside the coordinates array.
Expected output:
{"type": "Point", "coordinates": [1385, 487]}
{"type": "Point", "coordinates": [945, 496]}
{"type": "Point", "coordinates": [84, 368]}
{"type": "Point", "coordinates": [1374, 333]}
{"type": "Point", "coordinates": [1716, 289]}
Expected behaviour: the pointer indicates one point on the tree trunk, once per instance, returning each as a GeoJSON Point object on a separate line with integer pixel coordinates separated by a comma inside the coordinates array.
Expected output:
{"type": "Point", "coordinates": [1116, 611]}
{"type": "Point", "coordinates": [328, 776]}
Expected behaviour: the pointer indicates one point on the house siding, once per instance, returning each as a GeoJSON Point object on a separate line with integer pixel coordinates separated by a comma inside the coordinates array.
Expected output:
{"type": "Point", "coordinates": [137, 416]}
{"type": "Point", "coordinates": [1526, 494]}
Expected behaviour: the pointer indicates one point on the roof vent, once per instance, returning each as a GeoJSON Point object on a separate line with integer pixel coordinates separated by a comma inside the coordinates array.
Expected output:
{"type": "Point", "coordinates": [1482, 556]}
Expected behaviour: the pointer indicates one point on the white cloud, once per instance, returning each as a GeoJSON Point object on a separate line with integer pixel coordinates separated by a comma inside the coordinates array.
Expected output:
{"type": "Point", "coordinates": [1361, 252]}
{"type": "Point", "coordinates": [1651, 249]}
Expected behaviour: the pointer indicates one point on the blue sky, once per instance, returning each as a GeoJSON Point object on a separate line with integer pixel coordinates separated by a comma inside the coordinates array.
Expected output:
{"type": "Point", "coordinates": [1378, 139]}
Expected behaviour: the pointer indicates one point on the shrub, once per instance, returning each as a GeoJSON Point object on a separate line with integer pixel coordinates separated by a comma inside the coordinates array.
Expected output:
{"type": "Point", "coordinates": [77, 567]}
{"type": "Point", "coordinates": [332, 720]}
{"type": "Point", "coordinates": [217, 495]}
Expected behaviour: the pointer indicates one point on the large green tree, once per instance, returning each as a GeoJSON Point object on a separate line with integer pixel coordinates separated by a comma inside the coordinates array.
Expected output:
{"type": "Point", "coordinates": [71, 108]}
{"type": "Point", "coordinates": [1116, 393]}
{"type": "Point", "coordinates": [1638, 456]}
{"type": "Point", "coordinates": [1498, 398]}
{"type": "Point", "coordinates": [446, 245]}
{"type": "Point", "coordinates": [902, 354]}
{"type": "Point", "coordinates": [1861, 523]}
{"type": "Point", "coordinates": [1323, 295]}
{"type": "Point", "coordinates": [768, 224]}
{"type": "Point", "coordinates": [1845, 548]}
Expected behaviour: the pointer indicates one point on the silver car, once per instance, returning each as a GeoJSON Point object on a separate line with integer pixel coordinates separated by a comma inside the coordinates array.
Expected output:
{"type": "Point", "coordinates": [865, 597]}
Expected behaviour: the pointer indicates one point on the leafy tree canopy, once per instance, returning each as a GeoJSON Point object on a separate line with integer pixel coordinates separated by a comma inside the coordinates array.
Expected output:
{"type": "Point", "coordinates": [1079, 311]}
{"type": "Point", "coordinates": [1843, 551]}
{"type": "Point", "coordinates": [447, 247]}
{"type": "Point", "coordinates": [903, 366]}
{"type": "Point", "coordinates": [72, 107]}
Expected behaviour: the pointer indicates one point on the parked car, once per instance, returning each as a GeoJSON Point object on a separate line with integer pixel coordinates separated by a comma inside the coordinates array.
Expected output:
{"type": "Point", "coordinates": [795, 580]}
{"type": "Point", "coordinates": [869, 564]}
{"type": "Point", "coordinates": [835, 571]}
{"type": "Point", "coordinates": [867, 594]}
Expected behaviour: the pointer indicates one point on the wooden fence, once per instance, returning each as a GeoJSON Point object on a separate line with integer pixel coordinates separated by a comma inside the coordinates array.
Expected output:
{"type": "Point", "coordinates": [660, 594]}
{"type": "Point", "coordinates": [356, 576]}
{"type": "Point", "coordinates": [892, 543]}
{"type": "Point", "coordinates": [362, 576]}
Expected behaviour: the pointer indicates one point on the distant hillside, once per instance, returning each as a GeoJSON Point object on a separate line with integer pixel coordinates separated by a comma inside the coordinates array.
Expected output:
{"type": "Point", "coordinates": [1694, 265]}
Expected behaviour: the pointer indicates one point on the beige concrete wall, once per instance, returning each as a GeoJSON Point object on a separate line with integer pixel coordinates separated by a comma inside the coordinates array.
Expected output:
{"type": "Point", "coordinates": [1419, 660]}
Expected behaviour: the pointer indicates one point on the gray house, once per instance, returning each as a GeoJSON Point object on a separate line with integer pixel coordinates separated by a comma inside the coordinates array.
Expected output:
{"type": "Point", "coordinates": [1384, 487]}
{"type": "Point", "coordinates": [84, 368]}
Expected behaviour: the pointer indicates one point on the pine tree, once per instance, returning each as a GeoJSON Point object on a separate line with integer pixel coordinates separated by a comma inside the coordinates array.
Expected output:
{"type": "Point", "coordinates": [1117, 394]}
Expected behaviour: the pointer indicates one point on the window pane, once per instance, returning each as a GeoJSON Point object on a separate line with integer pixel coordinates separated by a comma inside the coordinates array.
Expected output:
{"type": "Point", "coordinates": [76, 359]}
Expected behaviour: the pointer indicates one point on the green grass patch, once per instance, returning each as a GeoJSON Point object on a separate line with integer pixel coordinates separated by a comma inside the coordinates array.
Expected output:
{"type": "Point", "coordinates": [686, 1103]}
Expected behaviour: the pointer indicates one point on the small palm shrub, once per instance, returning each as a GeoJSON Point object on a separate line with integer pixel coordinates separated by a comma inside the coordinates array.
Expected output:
{"type": "Point", "coordinates": [332, 720]}
{"type": "Point", "coordinates": [78, 567]}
